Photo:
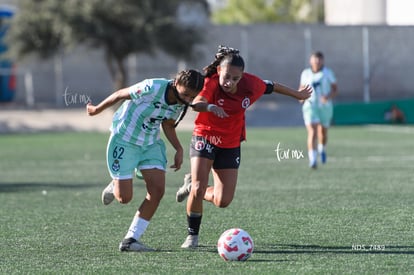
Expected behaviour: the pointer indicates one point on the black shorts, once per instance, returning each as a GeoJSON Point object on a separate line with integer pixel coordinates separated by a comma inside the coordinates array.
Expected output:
{"type": "Point", "coordinates": [224, 158]}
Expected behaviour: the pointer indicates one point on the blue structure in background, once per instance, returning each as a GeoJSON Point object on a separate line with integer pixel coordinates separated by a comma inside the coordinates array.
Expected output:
{"type": "Point", "coordinates": [7, 76]}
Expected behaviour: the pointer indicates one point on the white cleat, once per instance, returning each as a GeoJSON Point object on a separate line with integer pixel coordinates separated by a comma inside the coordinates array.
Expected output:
{"type": "Point", "coordinates": [190, 242]}
{"type": "Point", "coordinates": [108, 194]}
{"type": "Point", "coordinates": [184, 190]}
{"type": "Point", "coordinates": [132, 245]}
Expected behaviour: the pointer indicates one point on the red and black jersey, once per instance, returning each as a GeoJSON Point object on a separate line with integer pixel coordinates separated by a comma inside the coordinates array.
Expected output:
{"type": "Point", "coordinates": [230, 131]}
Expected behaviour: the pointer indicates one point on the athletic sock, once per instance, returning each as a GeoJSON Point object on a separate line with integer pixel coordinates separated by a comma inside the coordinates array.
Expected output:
{"type": "Point", "coordinates": [194, 222]}
{"type": "Point", "coordinates": [312, 154]}
{"type": "Point", "coordinates": [321, 148]}
{"type": "Point", "coordinates": [137, 228]}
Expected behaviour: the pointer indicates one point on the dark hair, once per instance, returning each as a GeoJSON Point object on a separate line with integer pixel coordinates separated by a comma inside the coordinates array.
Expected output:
{"type": "Point", "coordinates": [191, 79]}
{"type": "Point", "coordinates": [318, 54]}
{"type": "Point", "coordinates": [224, 55]}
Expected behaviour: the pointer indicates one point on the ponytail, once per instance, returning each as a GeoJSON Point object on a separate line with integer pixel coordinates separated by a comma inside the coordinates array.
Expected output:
{"type": "Point", "coordinates": [181, 116]}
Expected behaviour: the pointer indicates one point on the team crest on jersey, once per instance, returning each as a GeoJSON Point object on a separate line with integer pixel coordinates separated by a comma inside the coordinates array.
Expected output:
{"type": "Point", "coordinates": [199, 145]}
{"type": "Point", "coordinates": [246, 103]}
{"type": "Point", "coordinates": [116, 166]}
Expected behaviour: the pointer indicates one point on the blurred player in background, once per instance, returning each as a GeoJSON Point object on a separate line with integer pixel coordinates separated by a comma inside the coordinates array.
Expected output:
{"type": "Point", "coordinates": [135, 142]}
{"type": "Point", "coordinates": [219, 129]}
{"type": "Point", "coordinates": [318, 109]}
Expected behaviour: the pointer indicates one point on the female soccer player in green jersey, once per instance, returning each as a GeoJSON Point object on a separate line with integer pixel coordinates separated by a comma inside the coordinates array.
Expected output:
{"type": "Point", "coordinates": [135, 142]}
{"type": "Point", "coordinates": [318, 109]}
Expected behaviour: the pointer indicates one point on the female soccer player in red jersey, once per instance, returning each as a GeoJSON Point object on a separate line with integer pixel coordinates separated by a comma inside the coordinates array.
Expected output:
{"type": "Point", "coordinates": [219, 129]}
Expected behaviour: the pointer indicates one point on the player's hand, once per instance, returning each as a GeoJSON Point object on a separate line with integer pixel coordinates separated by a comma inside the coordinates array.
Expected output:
{"type": "Point", "coordinates": [218, 111]}
{"type": "Point", "coordinates": [178, 160]}
{"type": "Point", "coordinates": [91, 109]}
{"type": "Point", "coordinates": [304, 93]}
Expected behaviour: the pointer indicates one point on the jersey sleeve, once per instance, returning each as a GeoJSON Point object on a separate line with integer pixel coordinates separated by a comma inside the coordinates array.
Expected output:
{"type": "Point", "coordinates": [140, 89]}
{"type": "Point", "coordinates": [260, 86]}
{"type": "Point", "coordinates": [303, 79]}
{"type": "Point", "coordinates": [331, 76]}
{"type": "Point", "coordinates": [256, 85]}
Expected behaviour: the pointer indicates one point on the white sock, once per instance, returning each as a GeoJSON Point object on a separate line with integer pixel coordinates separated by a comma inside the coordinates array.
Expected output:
{"type": "Point", "coordinates": [312, 154]}
{"type": "Point", "coordinates": [137, 228]}
{"type": "Point", "coordinates": [321, 148]}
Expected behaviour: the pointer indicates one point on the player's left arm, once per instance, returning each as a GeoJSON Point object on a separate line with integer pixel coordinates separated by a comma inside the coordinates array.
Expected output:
{"type": "Point", "coordinates": [171, 134]}
{"type": "Point", "coordinates": [275, 87]}
{"type": "Point", "coordinates": [333, 86]}
{"type": "Point", "coordinates": [334, 91]}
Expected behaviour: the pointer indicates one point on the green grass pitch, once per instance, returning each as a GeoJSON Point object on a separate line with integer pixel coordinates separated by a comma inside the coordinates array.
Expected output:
{"type": "Point", "coordinates": [353, 215]}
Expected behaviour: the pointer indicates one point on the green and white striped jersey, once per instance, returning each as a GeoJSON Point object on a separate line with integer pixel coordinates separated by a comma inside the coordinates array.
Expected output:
{"type": "Point", "coordinates": [321, 83]}
{"type": "Point", "coordinates": [138, 120]}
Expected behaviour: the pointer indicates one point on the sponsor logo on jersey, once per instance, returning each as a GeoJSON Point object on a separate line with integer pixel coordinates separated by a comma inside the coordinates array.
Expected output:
{"type": "Point", "coordinates": [116, 166]}
{"type": "Point", "coordinates": [245, 103]}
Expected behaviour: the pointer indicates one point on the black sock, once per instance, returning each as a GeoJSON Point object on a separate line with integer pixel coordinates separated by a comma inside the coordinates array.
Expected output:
{"type": "Point", "coordinates": [194, 222]}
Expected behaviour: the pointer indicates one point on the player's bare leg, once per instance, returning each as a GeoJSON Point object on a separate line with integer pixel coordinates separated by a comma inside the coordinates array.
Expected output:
{"type": "Point", "coordinates": [200, 170]}
{"type": "Point", "coordinates": [121, 190]}
{"type": "Point", "coordinates": [222, 192]}
{"type": "Point", "coordinates": [322, 141]}
{"type": "Point", "coordinates": [311, 142]}
{"type": "Point", "coordinates": [155, 183]}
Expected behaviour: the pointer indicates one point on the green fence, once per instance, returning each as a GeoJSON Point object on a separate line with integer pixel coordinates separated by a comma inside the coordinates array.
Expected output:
{"type": "Point", "coordinates": [374, 113]}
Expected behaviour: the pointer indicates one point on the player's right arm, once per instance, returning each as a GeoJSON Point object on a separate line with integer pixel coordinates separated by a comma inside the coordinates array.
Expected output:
{"type": "Point", "coordinates": [200, 104]}
{"type": "Point", "coordinates": [121, 94]}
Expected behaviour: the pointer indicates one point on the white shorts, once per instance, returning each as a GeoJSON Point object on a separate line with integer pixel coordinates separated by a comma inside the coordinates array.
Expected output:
{"type": "Point", "coordinates": [321, 114]}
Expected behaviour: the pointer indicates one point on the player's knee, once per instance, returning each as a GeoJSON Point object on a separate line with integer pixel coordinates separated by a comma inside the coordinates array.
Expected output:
{"type": "Point", "coordinates": [160, 193]}
{"type": "Point", "coordinates": [197, 189]}
{"type": "Point", "coordinates": [124, 199]}
{"type": "Point", "coordinates": [156, 192]}
{"type": "Point", "coordinates": [223, 203]}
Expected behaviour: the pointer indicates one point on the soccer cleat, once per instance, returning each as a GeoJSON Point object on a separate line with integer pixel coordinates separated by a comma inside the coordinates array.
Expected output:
{"type": "Point", "coordinates": [184, 190]}
{"type": "Point", "coordinates": [132, 245]}
{"type": "Point", "coordinates": [108, 194]}
{"type": "Point", "coordinates": [190, 242]}
{"type": "Point", "coordinates": [313, 165]}
{"type": "Point", "coordinates": [323, 157]}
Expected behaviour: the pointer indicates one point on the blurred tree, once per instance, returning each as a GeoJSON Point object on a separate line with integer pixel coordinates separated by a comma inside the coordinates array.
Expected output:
{"type": "Point", "coordinates": [266, 11]}
{"type": "Point", "coordinates": [36, 29]}
{"type": "Point", "coordinates": [119, 27]}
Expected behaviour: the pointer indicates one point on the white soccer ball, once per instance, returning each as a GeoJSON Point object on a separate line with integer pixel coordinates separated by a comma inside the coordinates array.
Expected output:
{"type": "Point", "coordinates": [235, 245]}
